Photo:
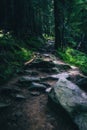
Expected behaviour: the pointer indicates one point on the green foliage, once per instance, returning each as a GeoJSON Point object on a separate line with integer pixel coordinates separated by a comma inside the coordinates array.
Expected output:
{"type": "Point", "coordinates": [12, 57]}
{"type": "Point", "coordinates": [35, 42]}
{"type": "Point", "coordinates": [72, 20]}
{"type": "Point", "coordinates": [74, 57]}
{"type": "Point", "coordinates": [77, 19]}
{"type": "Point", "coordinates": [48, 37]}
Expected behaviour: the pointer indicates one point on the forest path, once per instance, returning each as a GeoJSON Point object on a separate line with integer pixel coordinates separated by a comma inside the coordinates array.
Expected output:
{"type": "Point", "coordinates": [24, 103]}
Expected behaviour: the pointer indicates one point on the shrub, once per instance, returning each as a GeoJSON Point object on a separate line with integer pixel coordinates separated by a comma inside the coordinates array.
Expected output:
{"type": "Point", "coordinates": [74, 57]}
{"type": "Point", "coordinates": [12, 57]}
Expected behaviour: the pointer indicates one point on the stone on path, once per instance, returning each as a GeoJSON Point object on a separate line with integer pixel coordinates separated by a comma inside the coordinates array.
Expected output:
{"type": "Point", "coordinates": [48, 90]}
{"type": "Point", "coordinates": [55, 70]}
{"type": "Point", "coordinates": [42, 64]}
{"type": "Point", "coordinates": [46, 84]}
{"type": "Point", "coordinates": [37, 86]}
{"type": "Point", "coordinates": [26, 80]}
{"type": "Point", "coordinates": [65, 67]}
{"type": "Point", "coordinates": [35, 93]}
{"type": "Point", "coordinates": [55, 77]}
{"type": "Point", "coordinates": [61, 75]}
{"type": "Point", "coordinates": [30, 72]}
{"type": "Point", "coordinates": [49, 78]}
{"type": "Point", "coordinates": [47, 55]}
{"type": "Point", "coordinates": [62, 66]}
{"type": "Point", "coordinates": [49, 70]}
{"type": "Point", "coordinates": [19, 97]}
{"type": "Point", "coordinates": [4, 105]}
{"type": "Point", "coordinates": [72, 99]}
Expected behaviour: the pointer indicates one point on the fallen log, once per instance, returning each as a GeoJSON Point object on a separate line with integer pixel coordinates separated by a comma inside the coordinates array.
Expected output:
{"type": "Point", "coordinates": [30, 61]}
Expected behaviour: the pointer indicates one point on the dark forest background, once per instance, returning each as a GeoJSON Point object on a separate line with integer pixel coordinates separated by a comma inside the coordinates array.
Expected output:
{"type": "Point", "coordinates": [25, 25]}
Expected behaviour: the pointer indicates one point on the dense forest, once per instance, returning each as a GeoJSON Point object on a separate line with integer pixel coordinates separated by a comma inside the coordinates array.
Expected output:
{"type": "Point", "coordinates": [28, 23]}
{"type": "Point", "coordinates": [43, 65]}
{"type": "Point", "coordinates": [27, 19]}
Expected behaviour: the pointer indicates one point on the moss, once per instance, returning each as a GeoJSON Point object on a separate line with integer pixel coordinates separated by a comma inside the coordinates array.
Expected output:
{"type": "Point", "coordinates": [74, 57]}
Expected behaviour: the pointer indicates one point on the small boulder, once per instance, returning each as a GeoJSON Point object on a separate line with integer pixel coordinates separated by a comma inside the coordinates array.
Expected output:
{"type": "Point", "coordinates": [42, 64]}
{"type": "Point", "coordinates": [46, 84]}
{"type": "Point", "coordinates": [37, 86]}
{"type": "Point", "coordinates": [61, 75]}
{"type": "Point", "coordinates": [63, 67]}
{"type": "Point", "coordinates": [4, 105]}
{"type": "Point", "coordinates": [46, 55]}
{"type": "Point", "coordinates": [19, 97]}
{"type": "Point", "coordinates": [48, 90]}
{"type": "Point", "coordinates": [26, 80]}
{"type": "Point", "coordinates": [72, 99]}
{"type": "Point", "coordinates": [35, 93]}
{"type": "Point", "coordinates": [55, 70]}
{"type": "Point", "coordinates": [29, 72]}
{"type": "Point", "coordinates": [49, 78]}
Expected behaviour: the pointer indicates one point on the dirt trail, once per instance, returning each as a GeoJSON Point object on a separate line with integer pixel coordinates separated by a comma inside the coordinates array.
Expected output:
{"type": "Point", "coordinates": [33, 111]}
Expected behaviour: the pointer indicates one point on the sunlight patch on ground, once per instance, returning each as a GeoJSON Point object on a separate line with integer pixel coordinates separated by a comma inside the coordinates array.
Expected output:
{"type": "Point", "coordinates": [74, 67]}
{"type": "Point", "coordinates": [1, 35]}
{"type": "Point", "coordinates": [58, 62]}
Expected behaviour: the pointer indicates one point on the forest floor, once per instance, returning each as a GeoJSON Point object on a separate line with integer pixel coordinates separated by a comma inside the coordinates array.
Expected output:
{"type": "Point", "coordinates": [22, 108]}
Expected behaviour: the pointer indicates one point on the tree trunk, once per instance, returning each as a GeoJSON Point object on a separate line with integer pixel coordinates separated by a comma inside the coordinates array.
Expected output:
{"type": "Point", "coordinates": [57, 24]}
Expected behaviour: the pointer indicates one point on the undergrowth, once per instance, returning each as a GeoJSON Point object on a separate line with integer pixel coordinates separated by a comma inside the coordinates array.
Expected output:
{"type": "Point", "coordinates": [13, 54]}
{"type": "Point", "coordinates": [35, 43]}
{"type": "Point", "coordinates": [74, 57]}
{"type": "Point", "coordinates": [48, 37]}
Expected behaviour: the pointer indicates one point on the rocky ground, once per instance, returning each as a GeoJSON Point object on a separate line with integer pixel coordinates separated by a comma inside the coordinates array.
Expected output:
{"type": "Point", "coordinates": [25, 102]}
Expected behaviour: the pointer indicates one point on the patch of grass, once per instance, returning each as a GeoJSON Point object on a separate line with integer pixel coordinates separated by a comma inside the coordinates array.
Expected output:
{"type": "Point", "coordinates": [12, 56]}
{"type": "Point", "coordinates": [74, 57]}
